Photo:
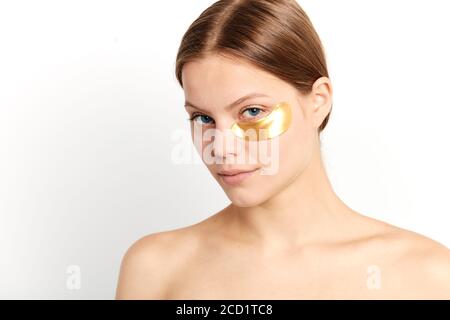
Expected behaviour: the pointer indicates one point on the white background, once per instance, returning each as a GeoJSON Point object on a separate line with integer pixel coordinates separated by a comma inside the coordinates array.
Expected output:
{"type": "Point", "coordinates": [89, 101]}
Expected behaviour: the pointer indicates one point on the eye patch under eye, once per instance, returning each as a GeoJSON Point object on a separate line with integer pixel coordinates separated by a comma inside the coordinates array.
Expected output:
{"type": "Point", "coordinates": [271, 126]}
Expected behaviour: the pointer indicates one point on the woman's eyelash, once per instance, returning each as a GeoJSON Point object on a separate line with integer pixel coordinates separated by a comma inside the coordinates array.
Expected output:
{"type": "Point", "coordinates": [195, 115]}
{"type": "Point", "coordinates": [252, 106]}
{"type": "Point", "coordinates": [249, 107]}
{"type": "Point", "coordinates": [261, 112]}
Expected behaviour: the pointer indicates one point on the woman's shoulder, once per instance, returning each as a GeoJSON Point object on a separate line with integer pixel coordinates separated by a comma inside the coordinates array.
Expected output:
{"type": "Point", "coordinates": [414, 246]}
{"type": "Point", "coordinates": [414, 260]}
{"type": "Point", "coordinates": [151, 262]}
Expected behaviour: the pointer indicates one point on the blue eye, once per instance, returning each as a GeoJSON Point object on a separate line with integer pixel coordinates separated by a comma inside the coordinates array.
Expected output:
{"type": "Point", "coordinates": [252, 112]}
{"type": "Point", "coordinates": [202, 118]}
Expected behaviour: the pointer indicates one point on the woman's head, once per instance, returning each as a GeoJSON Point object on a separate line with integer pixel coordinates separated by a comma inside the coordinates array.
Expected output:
{"type": "Point", "coordinates": [267, 49]}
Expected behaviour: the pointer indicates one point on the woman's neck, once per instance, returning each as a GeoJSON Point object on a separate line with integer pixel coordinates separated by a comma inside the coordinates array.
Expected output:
{"type": "Point", "coordinates": [306, 211]}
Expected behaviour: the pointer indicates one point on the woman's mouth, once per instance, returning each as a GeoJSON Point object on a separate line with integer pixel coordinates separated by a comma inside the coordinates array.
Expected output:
{"type": "Point", "coordinates": [235, 177]}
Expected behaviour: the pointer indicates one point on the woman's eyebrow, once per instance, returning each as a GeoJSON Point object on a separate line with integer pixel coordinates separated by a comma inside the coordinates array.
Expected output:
{"type": "Point", "coordinates": [233, 104]}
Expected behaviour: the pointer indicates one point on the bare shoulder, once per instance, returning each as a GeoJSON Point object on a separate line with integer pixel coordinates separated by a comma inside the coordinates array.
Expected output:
{"type": "Point", "coordinates": [427, 263]}
{"type": "Point", "coordinates": [416, 263]}
{"type": "Point", "coordinates": [150, 263]}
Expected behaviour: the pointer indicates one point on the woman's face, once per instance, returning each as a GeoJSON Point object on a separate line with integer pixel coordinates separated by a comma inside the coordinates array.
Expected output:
{"type": "Point", "coordinates": [211, 86]}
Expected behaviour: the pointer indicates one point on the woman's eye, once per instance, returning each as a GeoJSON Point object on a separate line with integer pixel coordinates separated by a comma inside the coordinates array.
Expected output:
{"type": "Point", "coordinates": [251, 113]}
{"type": "Point", "coordinates": [201, 119]}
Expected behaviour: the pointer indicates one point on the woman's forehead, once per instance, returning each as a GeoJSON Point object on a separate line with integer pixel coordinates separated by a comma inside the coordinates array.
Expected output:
{"type": "Point", "coordinates": [218, 75]}
{"type": "Point", "coordinates": [219, 85]}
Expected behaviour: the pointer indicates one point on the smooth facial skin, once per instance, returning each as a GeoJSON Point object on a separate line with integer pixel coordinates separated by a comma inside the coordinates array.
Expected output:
{"type": "Point", "coordinates": [285, 235]}
{"type": "Point", "coordinates": [295, 147]}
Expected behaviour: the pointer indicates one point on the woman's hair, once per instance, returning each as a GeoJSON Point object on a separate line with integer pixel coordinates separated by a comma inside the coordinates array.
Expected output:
{"type": "Point", "coordinates": [275, 35]}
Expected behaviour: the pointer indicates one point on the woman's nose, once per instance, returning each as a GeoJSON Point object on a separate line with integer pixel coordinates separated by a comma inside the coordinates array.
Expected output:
{"type": "Point", "coordinates": [225, 143]}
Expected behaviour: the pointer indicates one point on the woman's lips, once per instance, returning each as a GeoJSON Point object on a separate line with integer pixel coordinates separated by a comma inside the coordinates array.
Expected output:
{"type": "Point", "coordinates": [235, 179]}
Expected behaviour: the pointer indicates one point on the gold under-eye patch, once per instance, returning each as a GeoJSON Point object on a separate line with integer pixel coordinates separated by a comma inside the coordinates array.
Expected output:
{"type": "Point", "coordinates": [271, 126]}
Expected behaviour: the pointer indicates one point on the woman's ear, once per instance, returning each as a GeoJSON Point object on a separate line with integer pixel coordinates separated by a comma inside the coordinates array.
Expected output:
{"type": "Point", "coordinates": [322, 99]}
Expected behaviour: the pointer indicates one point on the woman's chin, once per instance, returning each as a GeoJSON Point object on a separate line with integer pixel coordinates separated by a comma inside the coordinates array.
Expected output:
{"type": "Point", "coordinates": [243, 200]}
{"type": "Point", "coordinates": [243, 203]}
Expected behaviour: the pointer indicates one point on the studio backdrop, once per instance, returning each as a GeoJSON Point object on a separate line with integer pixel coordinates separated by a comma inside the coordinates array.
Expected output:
{"type": "Point", "coordinates": [91, 115]}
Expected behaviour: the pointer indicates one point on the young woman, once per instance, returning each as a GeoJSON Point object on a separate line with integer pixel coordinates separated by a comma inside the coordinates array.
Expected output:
{"type": "Point", "coordinates": [259, 65]}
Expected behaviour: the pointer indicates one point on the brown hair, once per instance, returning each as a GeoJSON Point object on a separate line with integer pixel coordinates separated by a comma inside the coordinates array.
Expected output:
{"type": "Point", "coordinates": [275, 35]}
